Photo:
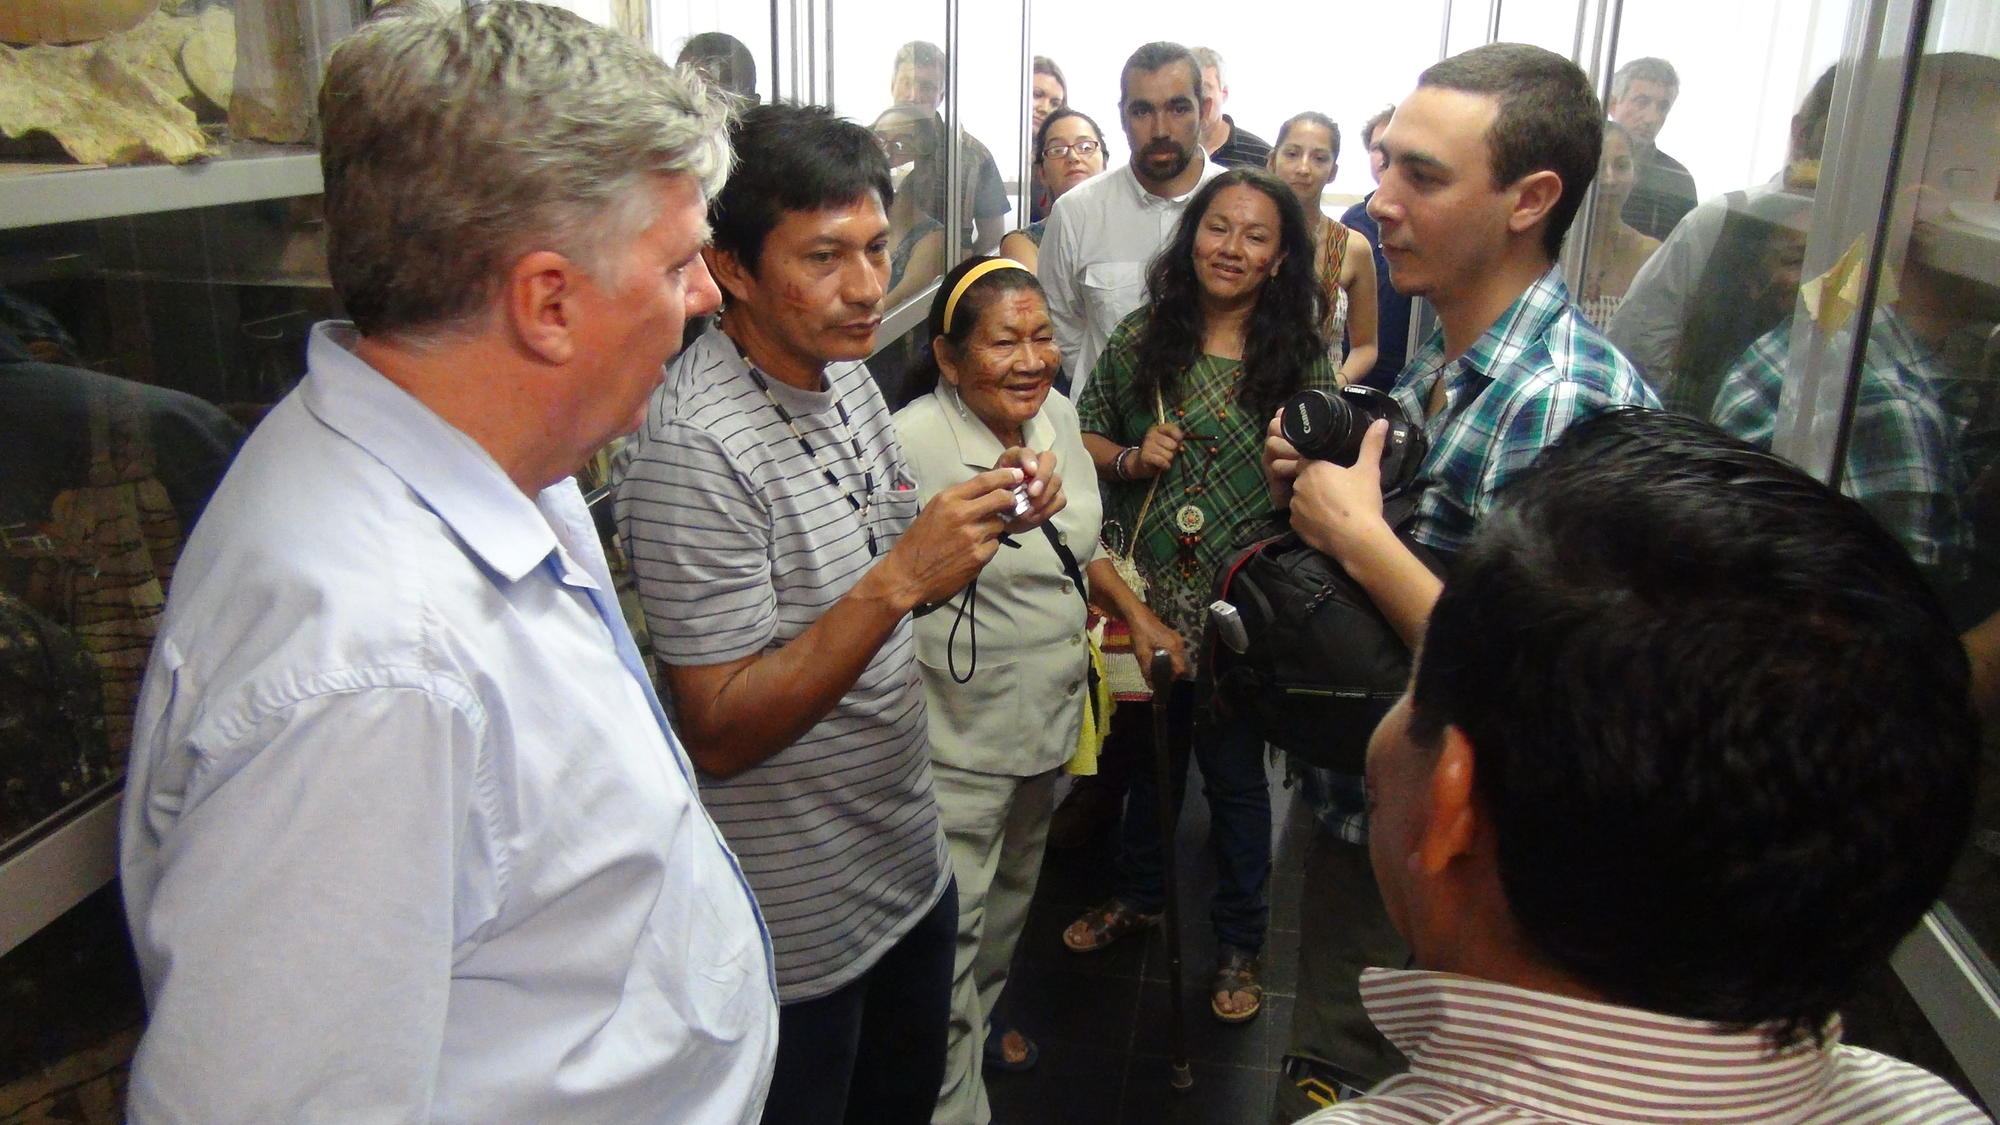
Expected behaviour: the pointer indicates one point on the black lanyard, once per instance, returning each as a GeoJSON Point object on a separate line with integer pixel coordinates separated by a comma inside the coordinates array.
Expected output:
{"type": "Point", "coordinates": [859, 504]}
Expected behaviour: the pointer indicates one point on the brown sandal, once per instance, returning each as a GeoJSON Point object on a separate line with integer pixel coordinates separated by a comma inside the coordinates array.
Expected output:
{"type": "Point", "coordinates": [1104, 925]}
{"type": "Point", "coordinates": [1236, 971]}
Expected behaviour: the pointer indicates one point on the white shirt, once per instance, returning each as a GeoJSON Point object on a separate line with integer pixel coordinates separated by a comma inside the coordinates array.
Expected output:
{"type": "Point", "coordinates": [1647, 326]}
{"type": "Point", "coordinates": [406, 837]}
{"type": "Point", "coordinates": [1101, 236]}
{"type": "Point", "coordinates": [1021, 710]}
{"type": "Point", "coordinates": [1483, 1053]}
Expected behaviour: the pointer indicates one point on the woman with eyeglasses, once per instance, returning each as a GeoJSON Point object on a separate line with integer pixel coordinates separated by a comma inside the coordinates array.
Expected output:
{"type": "Point", "coordinates": [1069, 149]}
{"type": "Point", "coordinates": [1174, 416]}
{"type": "Point", "coordinates": [1305, 158]}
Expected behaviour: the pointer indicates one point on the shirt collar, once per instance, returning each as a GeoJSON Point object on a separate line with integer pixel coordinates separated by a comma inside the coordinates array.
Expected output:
{"type": "Point", "coordinates": [1524, 322]}
{"type": "Point", "coordinates": [1589, 1062]}
{"type": "Point", "coordinates": [1144, 198]}
{"type": "Point", "coordinates": [452, 474]}
{"type": "Point", "coordinates": [978, 446]}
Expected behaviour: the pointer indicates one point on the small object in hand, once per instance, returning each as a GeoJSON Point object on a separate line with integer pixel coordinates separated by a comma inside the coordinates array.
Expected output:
{"type": "Point", "coordinates": [1021, 501]}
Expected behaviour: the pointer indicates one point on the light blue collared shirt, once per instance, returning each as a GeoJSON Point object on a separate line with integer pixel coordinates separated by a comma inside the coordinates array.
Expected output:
{"type": "Point", "coordinates": [406, 837]}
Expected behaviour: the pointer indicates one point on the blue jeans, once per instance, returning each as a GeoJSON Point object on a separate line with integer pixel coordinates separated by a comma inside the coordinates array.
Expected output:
{"type": "Point", "coordinates": [1231, 758]}
{"type": "Point", "coordinates": [873, 1051]}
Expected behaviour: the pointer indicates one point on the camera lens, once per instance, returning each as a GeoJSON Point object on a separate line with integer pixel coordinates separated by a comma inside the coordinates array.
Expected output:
{"type": "Point", "coordinates": [1323, 427]}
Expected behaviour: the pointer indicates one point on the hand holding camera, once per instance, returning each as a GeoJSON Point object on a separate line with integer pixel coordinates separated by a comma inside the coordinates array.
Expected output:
{"type": "Point", "coordinates": [1332, 458]}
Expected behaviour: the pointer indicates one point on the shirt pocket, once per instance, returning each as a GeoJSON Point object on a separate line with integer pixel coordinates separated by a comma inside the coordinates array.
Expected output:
{"type": "Point", "coordinates": [890, 513]}
{"type": "Point", "coordinates": [1112, 289]}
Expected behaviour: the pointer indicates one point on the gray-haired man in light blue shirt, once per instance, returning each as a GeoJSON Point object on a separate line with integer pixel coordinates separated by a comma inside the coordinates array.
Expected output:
{"type": "Point", "coordinates": [406, 835]}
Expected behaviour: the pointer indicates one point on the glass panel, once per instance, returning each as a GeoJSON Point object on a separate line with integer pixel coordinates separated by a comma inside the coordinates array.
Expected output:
{"type": "Point", "coordinates": [136, 353]}
{"type": "Point", "coordinates": [731, 43]}
{"type": "Point", "coordinates": [1751, 307]}
{"type": "Point", "coordinates": [1922, 440]}
{"type": "Point", "coordinates": [889, 73]}
{"type": "Point", "coordinates": [992, 114]}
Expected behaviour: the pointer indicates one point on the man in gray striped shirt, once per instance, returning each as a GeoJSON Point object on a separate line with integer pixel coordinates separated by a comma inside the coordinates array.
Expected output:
{"type": "Point", "coordinates": [775, 533]}
{"type": "Point", "coordinates": [1689, 749]}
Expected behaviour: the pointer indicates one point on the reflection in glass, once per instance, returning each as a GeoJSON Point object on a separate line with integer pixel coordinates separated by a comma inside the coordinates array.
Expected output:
{"type": "Point", "coordinates": [1073, 149]}
{"type": "Point", "coordinates": [912, 138]}
{"type": "Point", "coordinates": [1617, 249]}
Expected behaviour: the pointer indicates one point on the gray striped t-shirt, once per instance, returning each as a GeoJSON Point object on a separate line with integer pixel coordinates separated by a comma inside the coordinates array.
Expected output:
{"type": "Point", "coordinates": [738, 544]}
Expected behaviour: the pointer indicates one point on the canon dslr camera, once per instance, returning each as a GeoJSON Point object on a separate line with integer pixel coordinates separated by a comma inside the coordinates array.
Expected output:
{"type": "Point", "coordinates": [1329, 426]}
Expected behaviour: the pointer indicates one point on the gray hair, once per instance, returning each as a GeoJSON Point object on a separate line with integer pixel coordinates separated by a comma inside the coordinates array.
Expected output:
{"type": "Point", "coordinates": [458, 140]}
{"type": "Point", "coordinates": [1208, 58]}
{"type": "Point", "coordinates": [1660, 72]}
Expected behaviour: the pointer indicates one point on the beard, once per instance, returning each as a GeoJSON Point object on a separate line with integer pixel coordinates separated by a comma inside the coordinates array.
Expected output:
{"type": "Point", "coordinates": [1144, 165]}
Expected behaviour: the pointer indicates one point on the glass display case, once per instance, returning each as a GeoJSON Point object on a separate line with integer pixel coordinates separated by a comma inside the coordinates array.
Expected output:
{"type": "Point", "coordinates": [161, 256]}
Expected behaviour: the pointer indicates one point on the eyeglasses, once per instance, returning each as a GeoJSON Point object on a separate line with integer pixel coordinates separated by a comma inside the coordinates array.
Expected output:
{"type": "Point", "coordinates": [1081, 148]}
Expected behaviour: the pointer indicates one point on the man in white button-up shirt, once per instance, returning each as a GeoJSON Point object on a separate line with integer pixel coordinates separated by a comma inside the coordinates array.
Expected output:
{"type": "Point", "coordinates": [406, 835]}
{"type": "Point", "coordinates": [1103, 233]}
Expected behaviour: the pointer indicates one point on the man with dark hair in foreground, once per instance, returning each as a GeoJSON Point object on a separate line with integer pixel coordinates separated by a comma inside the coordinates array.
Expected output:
{"type": "Point", "coordinates": [1688, 750]}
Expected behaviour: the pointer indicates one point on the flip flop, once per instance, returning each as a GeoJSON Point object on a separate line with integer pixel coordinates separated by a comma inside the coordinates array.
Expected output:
{"type": "Point", "coordinates": [1104, 925]}
{"type": "Point", "coordinates": [1236, 972]}
{"type": "Point", "coordinates": [996, 1052]}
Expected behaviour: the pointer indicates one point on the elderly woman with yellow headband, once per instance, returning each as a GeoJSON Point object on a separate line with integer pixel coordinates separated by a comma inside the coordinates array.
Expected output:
{"type": "Point", "coordinates": [1006, 666]}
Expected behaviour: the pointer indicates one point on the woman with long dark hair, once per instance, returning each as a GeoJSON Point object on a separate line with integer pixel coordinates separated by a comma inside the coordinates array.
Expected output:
{"type": "Point", "coordinates": [1173, 417]}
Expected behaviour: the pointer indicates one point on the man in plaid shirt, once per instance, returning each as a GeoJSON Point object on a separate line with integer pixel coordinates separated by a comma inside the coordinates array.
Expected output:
{"type": "Point", "coordinates": [1902, 461]}
{"type": "Point", "coordinates": [1486, 165]}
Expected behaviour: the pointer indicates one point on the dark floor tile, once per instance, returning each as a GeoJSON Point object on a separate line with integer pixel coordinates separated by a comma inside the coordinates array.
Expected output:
{"type": "Point", "coordinates": [1204, 1038]}
{"type": "Point", "coordinates": [1278, 1038]}
{"type": "Point", "coordinates": [1221, 1095]}
{"type": "Point", "coordinates": [1065, 1006]}
{"type": "Point", "coordinates": [1070, 1084]}
{"type": "Point", "coordinates": [1281, 962]}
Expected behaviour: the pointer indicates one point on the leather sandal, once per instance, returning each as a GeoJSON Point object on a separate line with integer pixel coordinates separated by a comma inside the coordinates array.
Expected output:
{"type": "Point", "coordinates": [1104, 925]}
{"type": "Point", "coordinates": [1236, 972]}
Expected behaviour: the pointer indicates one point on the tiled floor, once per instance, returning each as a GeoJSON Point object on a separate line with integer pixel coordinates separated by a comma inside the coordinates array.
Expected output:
{"type": "Point", "coordinates": [1102, 1018]}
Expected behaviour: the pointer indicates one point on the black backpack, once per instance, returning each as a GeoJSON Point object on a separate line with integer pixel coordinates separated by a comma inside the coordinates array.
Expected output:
{"type": "Point", "coordinates": [1322, 665]}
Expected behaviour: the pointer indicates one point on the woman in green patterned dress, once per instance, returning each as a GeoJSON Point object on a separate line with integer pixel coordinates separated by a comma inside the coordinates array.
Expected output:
{"type": "Point", "coordinates": [1174, 416]}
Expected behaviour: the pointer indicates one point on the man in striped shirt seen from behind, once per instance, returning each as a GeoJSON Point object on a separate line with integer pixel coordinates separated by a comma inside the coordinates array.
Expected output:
{"type": "Point", "coordinates": [1688, 750]}
{"type": "Point", "coordinates": [775, 533]}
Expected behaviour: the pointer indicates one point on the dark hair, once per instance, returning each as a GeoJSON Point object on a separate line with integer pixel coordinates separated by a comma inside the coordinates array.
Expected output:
{"type": "Point", "coordinates": [1154, 56]}
{"type": "Point", "coordinates": [1549, 120]}
{"type": "Point", "coordinates": [1809, 131]}
{"type": "Point", "coordinates": [1312, 117]}
{"type": "Point", "coordinates": [972, 306]}
{"type": "Point", "coordinates": [1283, 341]}
{"type": "Point", "coordinates": [724, 59]}
{"type": "Point", "coordinates": [1046, 65]}
{"type": "Point", "coordinates": [1658, 71]}
{"type": "Point", "coordinates": [792, 158]}
{"type": "Point", "coordinates": [1720, 723]}
{"type": "Point", "coordinates": [1374, 125]}
{"type": "Point", "coordinates": [1736, 302]}
{"type": "Point", "coordinates": [1055, 115]}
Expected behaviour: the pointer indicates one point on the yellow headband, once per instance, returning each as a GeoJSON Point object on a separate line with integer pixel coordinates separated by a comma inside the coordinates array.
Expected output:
{"type": "Point", "coordinates": [972, 275]}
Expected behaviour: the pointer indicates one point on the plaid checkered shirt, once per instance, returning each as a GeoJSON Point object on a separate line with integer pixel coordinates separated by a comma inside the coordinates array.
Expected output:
{"type": "Point", "coordinates": [1902, 459]}
{"type": "Point", "coordinates": [1539, 368]}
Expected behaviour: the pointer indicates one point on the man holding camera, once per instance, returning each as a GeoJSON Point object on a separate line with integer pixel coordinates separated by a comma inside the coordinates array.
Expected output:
{"type": "Point", "coordinates": [775, 532]}
{"type": "Point", "coordinates": [1485, 166]}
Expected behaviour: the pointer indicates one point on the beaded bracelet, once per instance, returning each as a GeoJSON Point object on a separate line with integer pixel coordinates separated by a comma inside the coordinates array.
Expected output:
{"type": "Point", "coordinates": [1118, 462]}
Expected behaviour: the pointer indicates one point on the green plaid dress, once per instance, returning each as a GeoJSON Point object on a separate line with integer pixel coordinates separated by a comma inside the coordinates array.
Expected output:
{"type": "Point", "coordinates": [1211, 501]}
